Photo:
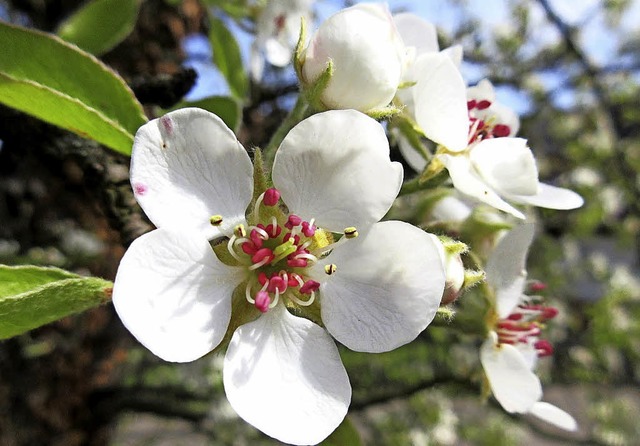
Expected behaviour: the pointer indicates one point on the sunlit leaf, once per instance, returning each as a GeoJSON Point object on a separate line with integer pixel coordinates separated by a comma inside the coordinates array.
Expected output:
{"type": "Point", "coordinates": [100, 24]}
{"type": "Point", "coordinates": [226, 56]}
{"type": "Point", "coordinates": [228, 109]}
{"type": "Point", "coordinates": [31, 296]}
{"type": "Point", "coordinates": [55, 81]}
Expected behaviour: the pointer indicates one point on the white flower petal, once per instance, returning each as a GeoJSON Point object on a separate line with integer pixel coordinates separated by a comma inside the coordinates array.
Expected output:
{"type": "Point", "coordinates": [187, 166]}
{"type": "Point", "coordinates": [386, 289]}
{"type": "Point", "coordinates": [513, 384]}
{"type": "Point", "coordinates": [455, 53]}
{"type": "Point", "coordinates": [410, 155]}
{"type": "Point", "coordinates": [417, 32]}
{"type": "Point", "coordinates": [483, 90]}
{"type": "Point", "coordinates": [554, 415]}
{"type": "Point", "coordinates": [467, 181]}
{"type": "Point", "coordinates": [277, 52]}
{"type": "Point", "coordinates": [335, 167]}
{"type": "Point", "coordinates": [440, 101]}
{"type": "Point", "coordinates": [283, 375]}
{"type": "Point", "coordinates": [507, 165]}
{"type": "Point", "coordinates": [505, 268]}
{"type": "Point", "coordinates": [174, 295]}
{"type": "Point", "coordinates": [550, 197]}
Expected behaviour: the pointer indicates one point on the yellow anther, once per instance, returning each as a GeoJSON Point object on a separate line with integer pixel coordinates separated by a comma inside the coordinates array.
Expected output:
{"type": "Point", "coordinates": [350, 232]}
{"type": "Point", "coordinates": [330, 268]}
{"type": "Point", "coordinates": [215, 220]}
{"type": "Point", "coordinates": [240, 231]}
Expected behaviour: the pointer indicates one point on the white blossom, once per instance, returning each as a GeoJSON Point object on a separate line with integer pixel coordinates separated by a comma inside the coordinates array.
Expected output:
{"type": "Point", "coordinates": [375, 288]}
{"type": "Point", "coordinates": [510, 352]}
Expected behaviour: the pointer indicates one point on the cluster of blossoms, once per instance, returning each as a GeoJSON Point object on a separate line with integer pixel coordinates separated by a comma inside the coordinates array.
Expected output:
{"type": "Point", "coordinates": [274, 267]}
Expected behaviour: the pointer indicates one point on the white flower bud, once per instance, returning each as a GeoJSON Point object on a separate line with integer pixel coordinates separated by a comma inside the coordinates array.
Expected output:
{"type": "Point", "coordinates": [367, 55]}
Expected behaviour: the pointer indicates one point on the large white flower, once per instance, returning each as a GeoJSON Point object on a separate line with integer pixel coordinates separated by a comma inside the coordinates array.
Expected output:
{"type": "Point", "coordinates": [367, 55]}
{"type": "Point", "coordinates": [277, 31]}
{"type": "Point", "coordinates": [513, 346]}
{"type": "Point", "coordinates": [373, 292]}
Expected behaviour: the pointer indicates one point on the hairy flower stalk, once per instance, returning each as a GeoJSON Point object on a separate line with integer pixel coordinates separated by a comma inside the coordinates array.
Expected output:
{"type": "Point", "coordinates": [307, 262]}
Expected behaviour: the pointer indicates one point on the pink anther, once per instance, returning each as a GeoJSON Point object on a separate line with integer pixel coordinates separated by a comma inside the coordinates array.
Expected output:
{"type": "Point", "coordinates": [293, 221]}
{"type": "Point", "coordinates": [501, 130]}
{"type": "Point", "coordinates": [308, 229]}
{"type": "Point", "coordinates": [309, 286]}
{"type": "Point", "coordinates": [263, 255]}
{"type": "Point", "coordinates": [297, 263]}
{"type": "Point", "coordinates": [543, 347]}
{"type": "Point", "coordinates": [139, 189]}
{"type": "Point", "coordinates": [271, 196]}
{"type": "Point", "coordinates": [262, 301]}
{"type": "Point", "coordinates": [483, 104]}
{"type": "Point", "coordinates": [277, 283]}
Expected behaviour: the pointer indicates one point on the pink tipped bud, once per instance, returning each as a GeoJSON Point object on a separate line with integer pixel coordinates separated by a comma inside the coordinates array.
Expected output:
{"type": "Point", "coordinates": [271, 197]}
{"type": "Point", "coordinates": [262, 301]}
{"type": "Point", "coordinates": [309, 286]}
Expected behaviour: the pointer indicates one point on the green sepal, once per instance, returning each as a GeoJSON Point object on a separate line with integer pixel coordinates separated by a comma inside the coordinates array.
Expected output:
{"type": "Point", "coordinates": [387, 112]}
{"type": "Point", "coordinates": [314, 91]}
{"type": "Point", "coordinates": [298, 55]}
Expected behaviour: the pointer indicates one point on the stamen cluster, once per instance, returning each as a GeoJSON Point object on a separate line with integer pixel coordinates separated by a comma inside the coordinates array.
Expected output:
{"type": "Point", "coordinates": [278, 255]}
{"type": "Point", "coordinates": [480, 128]}
{"type": "Point", "coordinates": [524, 326]}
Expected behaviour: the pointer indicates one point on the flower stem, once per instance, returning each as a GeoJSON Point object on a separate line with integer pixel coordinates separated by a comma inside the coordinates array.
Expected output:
{"type": "Point", "coordinates": [416, 185]}
{"type": "Point", "coordinates": [295, 116]}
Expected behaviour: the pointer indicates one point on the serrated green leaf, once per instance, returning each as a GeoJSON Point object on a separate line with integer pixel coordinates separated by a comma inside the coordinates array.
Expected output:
{"type": "Point", "coordinates": [100, 24]}
{"type": "Point", "coordinates": [227, 57]}
{"type": "Point", "coordinates": [345, 434]}
{"type": "Point", "coordinates": [31, 296]}
{"type": "Point", "coordinates": [44, 76]}
{"type": "Point", "coordinates": [228, 109]}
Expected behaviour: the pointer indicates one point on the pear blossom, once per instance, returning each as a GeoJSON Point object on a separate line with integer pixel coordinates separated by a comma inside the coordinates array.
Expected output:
{"type": "Point", "coordinates": [367, 54]}
{"type": "Point", "coordinates": [308, 260]}
{"type": "Point", "coordinates": [496, 167]}
{"type": "Point", "coordinates": [433, 93]}
{"type": "Point", "coordinates": [277, 32]}
{"type": "Point", "coordinates": [513, 346]}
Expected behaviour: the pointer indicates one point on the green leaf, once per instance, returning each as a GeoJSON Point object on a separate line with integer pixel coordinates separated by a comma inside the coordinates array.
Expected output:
{"type": "Point", "coordinates": [226, 56]}
{"type": "Point", "coordinates": [31, 296]}
{"type": "Point", "coordinates": [57, 82]}
{"type": "Point", "coordinates": [228, 109]}
{"type": "Point", "coordinates": [100, 24]}
{"type": "Point", "coordinates": [345, 434]}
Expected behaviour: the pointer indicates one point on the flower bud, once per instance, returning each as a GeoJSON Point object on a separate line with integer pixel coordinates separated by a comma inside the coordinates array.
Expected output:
{"type": "Point", "coordinates": [367, 55]}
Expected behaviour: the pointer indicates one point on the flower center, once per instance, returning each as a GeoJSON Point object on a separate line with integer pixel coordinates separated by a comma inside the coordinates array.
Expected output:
{"type": "Point", "coordinates": [524, 326]}
{"type": "Point", "coordinates": [278, 252]}
{"type": "Point", "coordinates": [483, 125]}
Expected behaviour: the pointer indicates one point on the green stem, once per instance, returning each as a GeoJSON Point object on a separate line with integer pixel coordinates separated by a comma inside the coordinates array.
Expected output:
{"type": "Point", "coordinates": [415, 185]}
{"type": "Point", "coordinates": [294, 117]}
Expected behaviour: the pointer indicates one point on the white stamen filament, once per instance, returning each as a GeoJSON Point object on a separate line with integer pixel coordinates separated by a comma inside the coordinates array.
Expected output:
{"type": "Point", "coordinates": [247, 294]}
{"type": "Point", "coordinates": [259, 264]}
{"type": "Point", "coordinates": [232, 251]}
{"type": "Point", "coordinates": [256, 208]}
{"type": "Point", "coordinates": [275, 300]}
{"type": "Point", "coordinates": [303, 303]}
{"type": "Point", "coordinates": [264, 234]}
{"type": "Point", "coordinates": [307, 256]}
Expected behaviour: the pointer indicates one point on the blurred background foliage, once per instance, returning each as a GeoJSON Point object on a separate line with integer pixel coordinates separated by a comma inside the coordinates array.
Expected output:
{"type": "Point", "coordinates": [66, 201]}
